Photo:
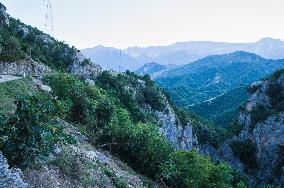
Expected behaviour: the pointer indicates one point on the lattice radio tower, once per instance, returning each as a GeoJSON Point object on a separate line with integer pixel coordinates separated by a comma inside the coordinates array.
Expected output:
{"type": "Point", "coordinates": [49, 27]}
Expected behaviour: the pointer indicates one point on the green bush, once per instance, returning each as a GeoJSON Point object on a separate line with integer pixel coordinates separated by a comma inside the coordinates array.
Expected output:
{"type": "Point", "coordinates": [140, 145]}
{"type": "Point", "coordinates": [10, 48]}
{"type": "Point", "coordinates": [32, 130]}
{"type": "Point", "coordinates": [245, 151]}
{"type": "Point", "coordinates": [39, 46]}
{"type": "Point", "coordinates": [233, 129]}
{"type": "Point", "coordinates": [87, 104]}
{"type": "Point", "coordinates": [188, 169]}
{"type": "Point", "coordinates": [259, 114]}
{"type": "Point", "coordinates": [253, 88]}
{"type": "Point", "coordinates": [132, 93]}
{"type": "Point", "coordinates": [276, 93]}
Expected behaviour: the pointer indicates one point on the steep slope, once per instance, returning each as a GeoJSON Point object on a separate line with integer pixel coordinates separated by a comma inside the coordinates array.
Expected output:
{"type": "Point", "coordinates": [63, 127]}
{"type": "Point", "coordinates": [213, 76]}
{"type": "Point", "coordinates": [258, 148]}
{"type": "Point", "coordinates": [226, 105]}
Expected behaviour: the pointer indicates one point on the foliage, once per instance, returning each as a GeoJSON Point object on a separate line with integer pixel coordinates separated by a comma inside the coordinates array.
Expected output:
{"type": "Point", "coordinates": [118, 182]}
{"type": "Point", "coordinates": [133, 91]}
{"type": "Point", "coordinates": [276, 94]}
{"type": "Point", "coordinates": [253, 88]}
{"type": "Point", "coordinates": [205, 131]}
{"type": "Point", "coordinates": [87, 104]}
{"type": "Point", "coordinates": [233, 129]}
{"type": "Point", "coordinates": [188, 169]}
{"type": "Point", "coordinates": [214, 87]}
{"type": "Point", "coordinates": [76, 167]}
{"type": "Point", "coordinates": [111, 122]}
{"type": "Point", "coordinates": [245, 151]}
{"type": "Point", "coordinates": [11, 90]}
{"type": "Point", "coordinates": [276, 75]}
{"type": "Point", "coordinates": [223, 109]}
{"type": "Point", "coordinates": [19, 41]}
{"type": "Point", "coordinates": [258, 114]}
{"type": "Point", "coordinates": [10, 49]}
{"type": "Point", "coordinates": [141, 145]}
{"type": "Point", "coordinates": [32, 130]}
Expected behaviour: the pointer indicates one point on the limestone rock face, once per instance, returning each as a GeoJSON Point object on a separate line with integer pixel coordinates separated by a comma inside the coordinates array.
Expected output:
{"type": "Point", "coordinates": [4, 17]}
{"type": "Point", "coordinates": [10, 178]}
{"type": "Point", "coordinates": [266, 134]}
{"type": "Point", "coordinates": [180, 136]}
{"type": "Point", "coordinates": [24, 67]}
{"type": "Point", "coordinates": [87, 71]}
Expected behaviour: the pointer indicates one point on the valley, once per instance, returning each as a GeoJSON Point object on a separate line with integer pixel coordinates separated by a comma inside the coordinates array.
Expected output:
{"type": "Point", "coordinates": [191, 114]}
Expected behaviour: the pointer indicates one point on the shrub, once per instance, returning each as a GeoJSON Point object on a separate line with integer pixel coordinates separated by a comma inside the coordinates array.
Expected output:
{"type": "Point", "coordinates": [104, 113]}
{"type": "Point", "coordinates": [245, 151]}
{"type": "Point", "coordinates": [276, 75]}
{"type": "Point", "coordinates": [140, 145]}
{"type": "Point", "coordinates": [11, 49]}
{"type": "Point", "coordinates": [32, 130]}
{"type": "Point", "coordinates": [233, 129]}
{"type": "Point", "coordinates": [76, 167]}
{"type": "Point", "coordinates": [253, 88]}
{"type": "Point", "coordinates": [188, 169]}
{"type": "Point", "coordinates": [258, 114]}
{"type": "Point", "coordinates": [83, 99]}
{"type": "Point", "coordinates": [133, 92]}
{"type": "Point", "coordinates": [276, 93]}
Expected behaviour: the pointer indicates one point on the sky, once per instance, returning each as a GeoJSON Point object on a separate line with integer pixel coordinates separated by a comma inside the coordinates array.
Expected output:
{"type": "Point", "coordinates": [125, 23]}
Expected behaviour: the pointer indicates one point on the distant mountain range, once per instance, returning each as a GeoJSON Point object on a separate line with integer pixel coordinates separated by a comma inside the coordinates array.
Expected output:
{"type": "Point", "coordinates": [180, 53]}
{"type": "Point", "coordinates": [155, 69]}
{"type": "Point", "coordinates": [198, 85]}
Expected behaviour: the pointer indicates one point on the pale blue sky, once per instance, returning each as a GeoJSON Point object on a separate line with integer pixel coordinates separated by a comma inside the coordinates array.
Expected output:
{"type": "Point", "coordinates": [123, 23]}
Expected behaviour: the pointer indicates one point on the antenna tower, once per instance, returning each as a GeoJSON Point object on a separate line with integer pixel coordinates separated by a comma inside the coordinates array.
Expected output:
{"type": "Point", "coordinates": [49, 27]}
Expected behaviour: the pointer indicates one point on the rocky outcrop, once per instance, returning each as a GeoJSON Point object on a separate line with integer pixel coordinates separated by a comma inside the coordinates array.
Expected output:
{"type": "Point", "coordinates": [81, 165]}
{"type": "Point", "coordinates": [4, 17]}
{"type": "Point", "coordinates": [24, 67]}
{"type": "Point", "coordinates": [85, 68]}
{"type": "Point", "coordinates": [10, 178]}
{"type": "Point", "coordinates": [180, 136]}
{"type": "Point", "coordinates": [263, 125]}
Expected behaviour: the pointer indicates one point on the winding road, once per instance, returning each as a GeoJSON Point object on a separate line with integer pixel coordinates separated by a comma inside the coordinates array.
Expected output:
{"type": "Point", "coordinates": [7, 78]}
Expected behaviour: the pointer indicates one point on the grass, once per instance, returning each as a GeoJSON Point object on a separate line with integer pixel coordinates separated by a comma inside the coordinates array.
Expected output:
{"type": "Point", "coordinates": [10, 91]}
{"type": "Point", "coordinates": [117, 181]}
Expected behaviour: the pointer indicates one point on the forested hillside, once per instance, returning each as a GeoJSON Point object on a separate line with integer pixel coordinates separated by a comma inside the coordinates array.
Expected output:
{"type": "Point", "coordinates": [78, 126]}
{"type": "Point", "coordinates": [205, 82]}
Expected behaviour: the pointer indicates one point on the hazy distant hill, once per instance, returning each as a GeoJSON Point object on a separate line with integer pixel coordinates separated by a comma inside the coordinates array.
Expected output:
{"type": "Point", "coordinates": [194, 50]}
{"type": "Point", "coordinates": [154, 69]}
{"type": "Point", "coordinates": [208, 79]}
{"type": "Point", "coordinates": [180, 53]}
{"type": "Point", "coordinates": [111, 58]}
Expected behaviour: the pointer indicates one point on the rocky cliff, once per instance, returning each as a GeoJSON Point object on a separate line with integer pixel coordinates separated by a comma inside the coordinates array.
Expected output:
{"type": "Point", "coordinates": [258, 149]}
{"type": "Point", "coordinates": [24, 67]}
{"type": "Point", "coordinates": [4, 18]}
{"type": "Point", "coordinates": [180, 136]}
{"type": "Point", "coordinates": [9, 178]}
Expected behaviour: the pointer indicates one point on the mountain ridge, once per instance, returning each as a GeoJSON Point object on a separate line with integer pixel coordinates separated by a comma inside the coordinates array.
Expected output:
{"type": "Point", "coordinates": [179, 53]}
{"type": "Point", "coordinates": [212, 76]}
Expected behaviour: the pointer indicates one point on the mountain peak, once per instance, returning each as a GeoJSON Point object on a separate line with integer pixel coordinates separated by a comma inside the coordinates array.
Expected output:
{"type": "Point", "coordinates": [268, 39]}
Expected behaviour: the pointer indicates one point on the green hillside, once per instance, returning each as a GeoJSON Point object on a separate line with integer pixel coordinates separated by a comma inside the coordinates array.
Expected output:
{"type": "Point", "coordinates": [211, 77]}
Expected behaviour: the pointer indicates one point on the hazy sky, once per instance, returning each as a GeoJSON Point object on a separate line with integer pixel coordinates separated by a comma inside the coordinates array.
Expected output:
{"type": "Point", "coordinates": [123, 23]}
